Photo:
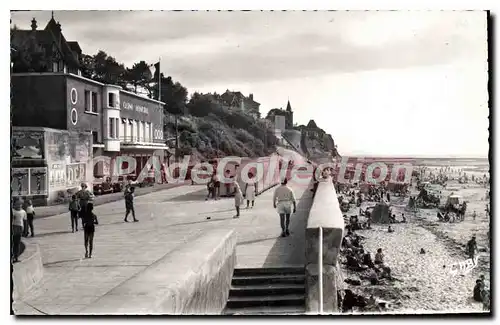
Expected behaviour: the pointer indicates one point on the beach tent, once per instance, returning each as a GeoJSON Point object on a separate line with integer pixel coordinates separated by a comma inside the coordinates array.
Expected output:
{"type": "Point", "coordinates": [453, 199]}
{"type": "Point", "coordinates": [380, 213]}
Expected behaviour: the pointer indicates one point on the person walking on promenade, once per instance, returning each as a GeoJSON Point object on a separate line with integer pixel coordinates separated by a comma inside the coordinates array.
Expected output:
{"type": "Point", "coordinates": [216, 190]}
{"type": "Point", "coordinates": [238, 198]}
{"type": "Point", "coordinates": [74, 209]}
{"type": "Point", "coordinates": [250, 190]}
{"type": "Point", "coordinates": [129, 204]}
{"type": "Point", "coordinates": [18, 215]}
{"type": "Point", "coordinates": [25, 222]}
{"type": "Point", "coordinates": [210, 189]}
{"type": "Point", "coordinates": [86, 200]}
{"type": "Point", "coordinates": [30, 212]}
{"type": "Point", "coordinates": [89, 219]}
{"type": "Point", "coordinates": [283, 200]}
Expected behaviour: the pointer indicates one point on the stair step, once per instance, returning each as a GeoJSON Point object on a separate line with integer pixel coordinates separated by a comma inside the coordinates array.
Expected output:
{"type": "Point", "coordinates": [267, 279]}
{"type": "Point", "coordinates": [297, 300]}
{"type": "Point", "coordinates": [276, 271]}
{"type": "Point", "coordinates": [285, 310]}
{"type": "Point", "coordinates": [267, 289]}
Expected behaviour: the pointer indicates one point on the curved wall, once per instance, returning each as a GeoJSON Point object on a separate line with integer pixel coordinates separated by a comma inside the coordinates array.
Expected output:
{"type": "Point", "coordinates": [325, 213]}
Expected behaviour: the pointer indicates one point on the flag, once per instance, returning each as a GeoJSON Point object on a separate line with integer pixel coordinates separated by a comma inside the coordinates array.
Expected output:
{"type": "Point", "coordinates": [155, 73]}
{"type": "Point", "coordinates": [155, 70]}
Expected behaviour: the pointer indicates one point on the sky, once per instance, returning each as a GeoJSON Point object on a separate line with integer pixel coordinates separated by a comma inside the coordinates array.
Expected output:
{"type": "Point", "coordinates": [393, 83]}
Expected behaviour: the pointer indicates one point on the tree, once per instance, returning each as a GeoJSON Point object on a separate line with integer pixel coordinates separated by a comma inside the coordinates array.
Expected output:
{"type": "Point", "coordinates": [174, 95]}
{"type": "Point", "coordinates": [87, 66]}
{"type": "Point", "coordinates": [140, 75]}
{"type": "Point", "coordinates": [201, 104]}
{"type": "Point", "coordinates": [107, 70]}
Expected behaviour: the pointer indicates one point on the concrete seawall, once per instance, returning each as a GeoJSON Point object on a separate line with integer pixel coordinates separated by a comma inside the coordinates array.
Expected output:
{"type": "Point", "coordinates": [28, 271]}
{"type": "Point", "coordinates": [325, 214]}
{"type": "Point", "coordinates": [195, 279]}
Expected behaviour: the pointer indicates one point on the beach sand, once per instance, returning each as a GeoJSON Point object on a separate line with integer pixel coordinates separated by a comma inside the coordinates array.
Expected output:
{"type": "Point", "coordinates": [425, 284]}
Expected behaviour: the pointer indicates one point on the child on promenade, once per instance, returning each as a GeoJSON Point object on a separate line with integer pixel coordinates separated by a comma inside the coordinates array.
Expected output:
{"type": "Point", "coordinates": [238, 198]}
{"type": "Point", "coordinates": [30, 212]}
{"type": "Point", "coordinates": [129, 204]}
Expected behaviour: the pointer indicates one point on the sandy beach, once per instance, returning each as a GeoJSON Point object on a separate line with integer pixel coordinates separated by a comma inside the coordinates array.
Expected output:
{"type": "Point", "coordinates": [424, 280]}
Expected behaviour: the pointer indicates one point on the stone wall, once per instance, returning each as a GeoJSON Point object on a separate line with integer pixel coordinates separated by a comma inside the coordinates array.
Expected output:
{"type": "Point", "coordinates": [325, 213]}
{"type": "Point", "coordinates": [28, 271]}
{"type": "Point", "coordinates": [194, 279]}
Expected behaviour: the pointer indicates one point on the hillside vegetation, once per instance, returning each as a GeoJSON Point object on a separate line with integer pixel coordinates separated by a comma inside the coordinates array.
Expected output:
{"type": "Point", "coordinates": [208, 130]}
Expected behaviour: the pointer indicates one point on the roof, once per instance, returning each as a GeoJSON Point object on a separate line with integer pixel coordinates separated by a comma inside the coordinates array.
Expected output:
{"type": "Point", "coordinates": [312, 125]}
{"type": "Point", "coordinates": [50, 38]}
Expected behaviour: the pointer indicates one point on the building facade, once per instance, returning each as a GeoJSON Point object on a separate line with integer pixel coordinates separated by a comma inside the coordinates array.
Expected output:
{"type": "Point", "coordinates": [237, 101]}
{"type": "Point", "coordinates": [115, 122]}
{"type": "Point", "coordinates": [276, 115]}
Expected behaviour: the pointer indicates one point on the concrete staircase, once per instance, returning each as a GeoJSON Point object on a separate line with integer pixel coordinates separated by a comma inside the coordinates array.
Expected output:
{"type": "Point", "coordinates": [267, 291]}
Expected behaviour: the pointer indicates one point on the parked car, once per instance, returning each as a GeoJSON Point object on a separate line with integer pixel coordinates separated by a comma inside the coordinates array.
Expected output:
{"type": "Point", "coordinates": [102, 186]}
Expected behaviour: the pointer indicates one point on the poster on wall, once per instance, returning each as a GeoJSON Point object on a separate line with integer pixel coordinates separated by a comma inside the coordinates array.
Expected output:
{"type": "Point", "coordinates": [57, 175]}
{"type": "Point", "coordinates": [27, 145]}
{"type": "Point", "coordinates": [20, 181]}
{"type": "Point", "coordinates": [75, 174]}
{"type": "Point", "coordinates": [38, 181]}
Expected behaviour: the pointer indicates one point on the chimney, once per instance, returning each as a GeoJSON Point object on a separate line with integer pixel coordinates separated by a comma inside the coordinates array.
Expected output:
{"type": "Point", "coordinates": [33, 24]}
{"type": "Point", "coordinates": [250, 96]}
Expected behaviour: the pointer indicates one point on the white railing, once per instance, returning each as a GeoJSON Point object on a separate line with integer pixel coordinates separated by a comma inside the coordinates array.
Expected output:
{"type": "Point", "coordinates": [320, 270]}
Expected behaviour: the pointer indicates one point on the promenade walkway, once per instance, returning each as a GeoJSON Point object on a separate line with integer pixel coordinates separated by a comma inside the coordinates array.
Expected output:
{"type": "Point", "coordinates": [168, 219]}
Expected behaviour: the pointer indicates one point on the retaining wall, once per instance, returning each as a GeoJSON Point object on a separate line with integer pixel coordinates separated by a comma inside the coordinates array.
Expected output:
{"type": "Point", "coordinates": [325, 213]}
{"type": "Point", "coordinates": [195, 279]}
{"type": "Point", "coordinates": [28, 271]}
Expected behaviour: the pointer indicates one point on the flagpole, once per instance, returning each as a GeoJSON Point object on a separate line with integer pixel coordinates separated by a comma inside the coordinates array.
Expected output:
{"type": "Point", "coordinates": [159, 79]}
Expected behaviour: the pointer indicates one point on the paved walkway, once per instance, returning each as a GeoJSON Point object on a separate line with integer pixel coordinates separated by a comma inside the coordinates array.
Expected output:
{"type": "Point", "coordinates": [168, 219]}
{"type": "Point", "coordinates": [51, 210]}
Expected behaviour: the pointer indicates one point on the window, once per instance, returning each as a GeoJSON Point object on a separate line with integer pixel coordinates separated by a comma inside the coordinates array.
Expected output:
{"type": "Point", "coordinates": [87, 100]}
{"type": "Point", "coordinates": [138, 131]}
{"type": "Point", "coordinates": [112, 128]}
{"type": "Point", "coordinates": [90, 101]}
{"type": "Point", "coordinates": [111, 100]}
{"type": "Point", "coordinates": [143, 133]}
{"type": "Point", "coordinates": [94, 102]}
{"type": "Point", "coordinates": [95, 137]}
{"type": "Point", "coordinates": [131, 130]}
{"type": "Point", "coordinates": [117, 127]}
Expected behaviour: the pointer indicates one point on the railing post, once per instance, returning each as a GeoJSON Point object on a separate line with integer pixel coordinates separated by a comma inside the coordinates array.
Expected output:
{"type": "Point", "coordinates": [320, 270]}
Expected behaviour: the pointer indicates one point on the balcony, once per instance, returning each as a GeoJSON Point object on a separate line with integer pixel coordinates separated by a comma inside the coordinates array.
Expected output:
{"type": "Point", "coordinates": [141, 141]}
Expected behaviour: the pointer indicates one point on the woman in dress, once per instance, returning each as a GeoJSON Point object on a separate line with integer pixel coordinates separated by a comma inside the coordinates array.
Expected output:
{"type": "Point", "coordinates": [238, 198]}
{"type": "Point", "coordinates": [250, 190]}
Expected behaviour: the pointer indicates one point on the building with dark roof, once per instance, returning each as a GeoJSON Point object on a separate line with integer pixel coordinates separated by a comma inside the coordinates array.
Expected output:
{"type": "Point", "coordinates": [235, 100]}
{"type": "Point", "coordinates": [44, 50]}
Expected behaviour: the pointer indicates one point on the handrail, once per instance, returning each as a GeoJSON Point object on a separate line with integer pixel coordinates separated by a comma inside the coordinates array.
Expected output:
{"type": "Point", "coordinates": [320, 270]}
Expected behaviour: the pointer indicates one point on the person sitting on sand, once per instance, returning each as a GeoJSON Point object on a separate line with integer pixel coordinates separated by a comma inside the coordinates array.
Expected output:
{"type": "Point", "coordinates": [379, 257]}
{"type": "Point", "coordinates": [478, 291]}
{"type": "Point", "coordinates": [367, 260]}
{"type": "Point", "coordinates": [404, 218]}
{"type": "Point", "coordinates": [389, 230]}
{"type": "Point", "coordinates": [373, 277]}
